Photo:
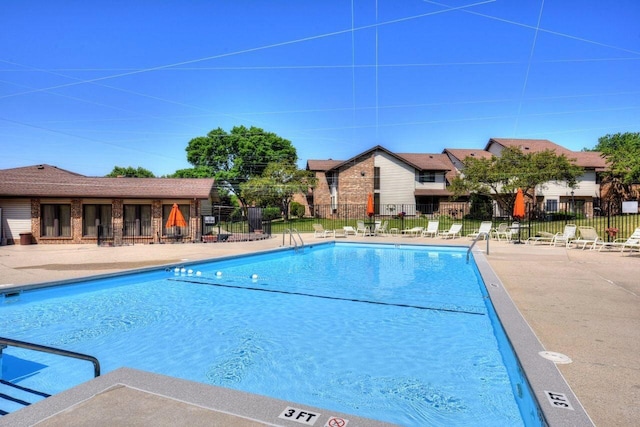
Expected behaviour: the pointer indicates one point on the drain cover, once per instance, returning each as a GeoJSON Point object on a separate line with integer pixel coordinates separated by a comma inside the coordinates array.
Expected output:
{"type": "Point", "coordinates": [555, 357]}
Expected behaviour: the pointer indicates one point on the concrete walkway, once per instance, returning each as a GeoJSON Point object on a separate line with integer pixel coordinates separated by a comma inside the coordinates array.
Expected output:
{"type": "Point", "coordinates": [583, 304]}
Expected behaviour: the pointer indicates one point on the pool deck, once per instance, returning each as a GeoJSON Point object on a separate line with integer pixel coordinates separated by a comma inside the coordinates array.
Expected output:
{"type": "Point", "coordinates": [583, 304]}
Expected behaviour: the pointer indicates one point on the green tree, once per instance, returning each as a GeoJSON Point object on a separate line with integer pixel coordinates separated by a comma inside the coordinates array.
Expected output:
{"type": "Point", "coordinates": [130, 172]}
{"type": "Point", "coordinates": [622, 152]}
{"type": "Point", "coordinates": [197, 172]}
{"type": "Point", "coordinates": [277, 185]}
{"type": "Point", "coordinates": [239, 155]}
{"type": "Point", "coordinates": [500, 177]}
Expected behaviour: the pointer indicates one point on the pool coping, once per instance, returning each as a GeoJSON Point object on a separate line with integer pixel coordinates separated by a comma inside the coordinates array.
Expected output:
{"type": "Point", "coordinates": [556, 400]}
{"type": "Point", "coordinates": [106, 401]}
{"type": "Point", "coordinates": [545, 380]}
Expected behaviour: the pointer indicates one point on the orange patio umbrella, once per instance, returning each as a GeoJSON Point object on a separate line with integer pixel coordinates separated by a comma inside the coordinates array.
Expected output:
{"type": "Point", "coordinates": [370, 208]}
{"type": "Point", "coordinates": [176, 219]}
{"type": "Point", "coordinates": [518, 206]}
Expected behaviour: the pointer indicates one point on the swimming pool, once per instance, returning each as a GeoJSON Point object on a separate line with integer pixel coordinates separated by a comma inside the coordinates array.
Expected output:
{"type": "Point", "coordinates": [401, 334]}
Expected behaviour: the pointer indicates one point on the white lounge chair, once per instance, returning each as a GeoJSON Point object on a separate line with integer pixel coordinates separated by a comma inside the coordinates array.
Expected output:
{"type": "Point", "coordinates": [566, 236]}
{"type": "Point", "coordinates": [349, 230]}
{"type": "Point", "coordinates": [452, 232]}
{"type": "Point", "coordinates": [484, 230]}
{"type": "Point", "coordinates": [412, 232]}
{"type": "Point", "coordinates": [588, 236]}
{"type": "Point", "coordinates": [381, 230]}
{"type": "Point", "coordinates": [633, 242]}
{"type": "Point", "coordinates": [319, 231]}
{"type": "Point", "coordinates": [431, 230]}
{"type": "Point", "coordinates": [361, 228]}
{"type": "Point", "coordinates": [542, 237]}
{"type": "Point", "coordinates": [502, 232]}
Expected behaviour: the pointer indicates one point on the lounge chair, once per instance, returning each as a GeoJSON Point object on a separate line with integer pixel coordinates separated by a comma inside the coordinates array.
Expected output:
{"type": "Point", "coordinates": [360, 227]}
{"type": "Point", "coordinates": [319, 231]}
{"type": "Point", "coordinates": [452, 232]}
{"type": "Point", "coordinates": [633, 242]}
{"type": "Point", "coordinates": [349, 230]}
{"type": "Point", "coordinates": [412, 232]}
{"type": "Point", "coordinates": [588, 236]}
{"type": "Point", "coordinates": [566, 236]}
{"type": "Point", "coordinates": [431, 230]}
{"type": "Point", "coordinates": [502, 232]}
{"type": "Point", "coordinates": [484, 230]}
{"type": "Point", "coordinates": [542, 237]}
{"type": "Point", "coordinates": [381, 230]}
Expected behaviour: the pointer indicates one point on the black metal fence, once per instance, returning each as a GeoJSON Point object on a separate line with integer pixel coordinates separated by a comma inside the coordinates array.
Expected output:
{"type": "Point", "coordinates": [609, 219]}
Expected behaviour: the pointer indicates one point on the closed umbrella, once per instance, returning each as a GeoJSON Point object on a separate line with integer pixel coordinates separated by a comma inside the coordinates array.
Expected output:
{"type": "Point", "coordinates": [370, 208]}
{"type": "Point", "coordinates": [518, 209]}
{"type": "Point", "coordinates": [176, 219]}
{"type": "Point", "coordinates": [518, 206]}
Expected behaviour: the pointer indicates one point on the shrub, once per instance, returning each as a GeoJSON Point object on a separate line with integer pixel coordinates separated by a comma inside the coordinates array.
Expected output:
{"type": "Point", "coordinates": [297, 209]}
{"type": "Point", "coordinates": [270, 213]}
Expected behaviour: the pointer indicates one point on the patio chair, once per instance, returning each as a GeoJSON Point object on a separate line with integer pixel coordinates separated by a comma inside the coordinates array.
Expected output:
{"type": "Point", "coordinates": [431, 230]}
{"type": "Point", "coordinates": [452, 232]}
{"type": "Point", "coordinates": [566, 236]}
{"type": "Point", "coordinates": [502, 232]}
{"type": "Point", "coordinates": [381, 230]}
{"type": "Point", "coordinates": [412, 232]}
{"type": "Point", "coordinates": [484, 230]}
{"type": "Point", "coordinates": [319, 231]}
{"type": "Point", "coordinates": [360, 227]}
{"type": "Point", "coordinates": [588, 236]}
{"type": "Point", "coordinates": [632, 242]}
{"type": "Point", "coordinates": [349, 230]}
{"type": "Point", "coordinates": [542, 237]}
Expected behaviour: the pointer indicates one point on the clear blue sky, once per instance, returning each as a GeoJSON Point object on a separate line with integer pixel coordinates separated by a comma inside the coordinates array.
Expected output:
{"type": "Point", "coordinates": [87, 85]}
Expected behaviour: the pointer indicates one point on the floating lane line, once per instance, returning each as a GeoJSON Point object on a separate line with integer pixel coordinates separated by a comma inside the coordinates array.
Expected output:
{"type": "Point", "coordinates": [222, 285]}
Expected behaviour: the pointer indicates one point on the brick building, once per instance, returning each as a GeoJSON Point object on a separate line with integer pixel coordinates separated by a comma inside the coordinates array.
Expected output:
{"type": "Point", "coordinates": [52, 205]}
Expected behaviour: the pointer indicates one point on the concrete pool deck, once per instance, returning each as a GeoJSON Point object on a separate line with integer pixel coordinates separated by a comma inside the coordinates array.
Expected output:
{"type": "Point", "coordinates": [583, 304]}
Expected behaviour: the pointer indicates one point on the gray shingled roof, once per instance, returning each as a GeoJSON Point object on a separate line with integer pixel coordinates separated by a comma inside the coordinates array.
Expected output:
{"type": "Point", "coordinates": [50, 181]}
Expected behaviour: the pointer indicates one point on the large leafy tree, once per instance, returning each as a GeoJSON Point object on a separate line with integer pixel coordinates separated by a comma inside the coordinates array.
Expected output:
{"type": "Point", "coordinates": [501, 176]}
{"type": "Point", "coordinates": [277, 185]}
{"type": "Point", "coordinates": [239, 155]}
{"type": "Point", "coordinates": [130, 172]}
{"type": "Point", "coordinates": [622, 152]}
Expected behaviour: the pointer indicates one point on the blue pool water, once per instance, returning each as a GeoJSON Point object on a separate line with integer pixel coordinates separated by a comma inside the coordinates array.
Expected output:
{"type": "Point", "coordinates": [400, 334]}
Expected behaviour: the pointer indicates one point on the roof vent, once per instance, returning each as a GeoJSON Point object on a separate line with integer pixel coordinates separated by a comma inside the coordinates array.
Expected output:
{"type": "Point", "coordinates": [472, 154]}
{"type": "Point", "coordinates": [40, 166]}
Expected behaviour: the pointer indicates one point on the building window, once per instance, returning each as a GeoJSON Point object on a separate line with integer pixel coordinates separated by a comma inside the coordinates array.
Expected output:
{"type": "Point", "coordinates": [376, 178]}
{"type": "Point", "coordinates": [332, 179]}
{"type": "Point", "coordinates": [552, 205]}
{"type": "Point", "coordinates": [137, 220]}
{"type": "Point", "coordinates": [426, 176]}
{"type": "Point", "coordinates": [94, 216]}
{"type": "Point", "coordinates": [55, 221]}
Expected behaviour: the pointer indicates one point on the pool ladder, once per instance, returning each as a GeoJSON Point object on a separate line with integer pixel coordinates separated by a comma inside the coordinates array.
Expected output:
{"type": "Point", "coordinates": [475, 241]}
{"type": "Point", "coordinates": [293, 241]}
{"type": "Point", "coordinates": [27, 393]}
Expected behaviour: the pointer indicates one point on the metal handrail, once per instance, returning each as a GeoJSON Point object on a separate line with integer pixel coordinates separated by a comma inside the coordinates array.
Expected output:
{"type": "Point", "coordinates": [292, 238]}
{"type": "Point", "coordinates": [299, 236]}
{"type": "Point", "coordinates": [53, 350]}
{"type": "Point", "coordinates": [474, 242]}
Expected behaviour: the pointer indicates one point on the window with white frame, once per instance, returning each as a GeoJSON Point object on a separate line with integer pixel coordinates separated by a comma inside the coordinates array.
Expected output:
{"type": "Point", "coordinates": [426, 176]}
{"type": "Point", "coordinates": [552, 205]}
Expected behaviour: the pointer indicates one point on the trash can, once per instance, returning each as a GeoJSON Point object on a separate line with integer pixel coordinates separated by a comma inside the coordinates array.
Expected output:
{"type": "Point", "coordinates": [26, 238]}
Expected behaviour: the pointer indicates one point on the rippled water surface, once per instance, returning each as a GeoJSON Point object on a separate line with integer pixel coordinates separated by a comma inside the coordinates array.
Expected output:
{"type": "Point", "coordinates": [400, 334]}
